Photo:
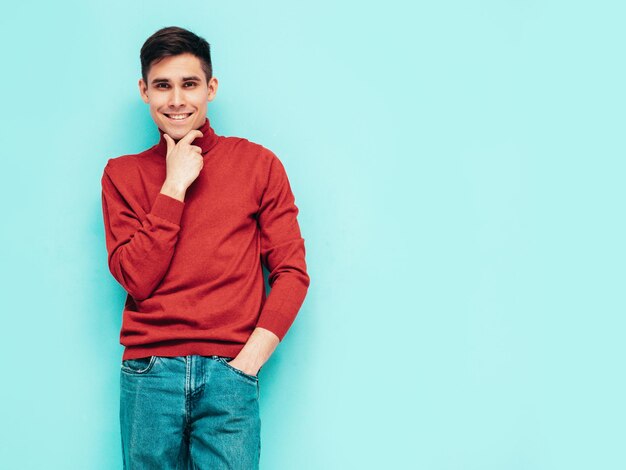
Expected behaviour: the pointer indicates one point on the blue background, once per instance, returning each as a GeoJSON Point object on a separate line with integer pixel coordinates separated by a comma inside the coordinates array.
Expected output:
{"type": "Point", "coordinates": [458, 166]}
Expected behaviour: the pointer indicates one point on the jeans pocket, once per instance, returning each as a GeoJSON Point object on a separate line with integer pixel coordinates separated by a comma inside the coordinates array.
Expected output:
{"type": "Point", "coordinates": [223, 360]}
{"type": "Point", "coordinates": [138, 366]}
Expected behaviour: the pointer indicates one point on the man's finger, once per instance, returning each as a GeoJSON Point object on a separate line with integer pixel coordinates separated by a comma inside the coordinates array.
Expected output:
{"type": "Point", "coordinates": [170, 142]}
{"type": "Point", "coordinates": [191, 135]}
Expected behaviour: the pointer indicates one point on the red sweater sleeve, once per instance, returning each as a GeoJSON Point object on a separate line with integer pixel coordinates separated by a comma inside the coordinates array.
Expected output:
{"type": "Point", "coordinates": [282, 253]}
{"type": "Point", "coordinates": [140, 249]}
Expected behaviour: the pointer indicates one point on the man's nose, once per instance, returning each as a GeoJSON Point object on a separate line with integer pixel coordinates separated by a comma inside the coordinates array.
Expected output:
{"type": "Point", "coordinates": [177, 97]}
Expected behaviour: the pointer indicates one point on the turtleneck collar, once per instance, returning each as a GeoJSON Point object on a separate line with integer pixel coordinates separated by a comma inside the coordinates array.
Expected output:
{"type": "Point", "coordinates": [206, 142]}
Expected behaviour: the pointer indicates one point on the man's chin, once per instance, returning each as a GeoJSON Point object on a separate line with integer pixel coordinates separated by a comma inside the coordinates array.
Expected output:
{"type": "Point", "coordinates": [175, 134]}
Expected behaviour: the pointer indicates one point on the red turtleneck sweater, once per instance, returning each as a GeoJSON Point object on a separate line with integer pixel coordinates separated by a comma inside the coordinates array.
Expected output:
{"type": "Point", "coordinates": [192, 269]}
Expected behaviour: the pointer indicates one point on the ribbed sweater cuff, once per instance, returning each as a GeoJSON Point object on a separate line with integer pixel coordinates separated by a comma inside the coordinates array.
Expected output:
{"type": "Point", "coordinates": [168, 208]}
{"type": "Point", "coordinates": [276, 322]}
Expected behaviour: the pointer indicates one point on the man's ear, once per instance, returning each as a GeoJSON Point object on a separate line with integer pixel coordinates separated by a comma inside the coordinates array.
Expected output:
{"type": "Point", "coordinates": [143, 90]}
{"type": "Point", "coordinates": [212, 89]}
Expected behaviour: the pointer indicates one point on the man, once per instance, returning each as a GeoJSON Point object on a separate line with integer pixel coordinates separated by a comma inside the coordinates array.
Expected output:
{"type": "Point", "coordinates": [189, 223]}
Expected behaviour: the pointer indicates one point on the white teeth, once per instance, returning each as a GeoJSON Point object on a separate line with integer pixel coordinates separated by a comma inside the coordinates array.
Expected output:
{"type": "Point", "coordinates": [178, 116]}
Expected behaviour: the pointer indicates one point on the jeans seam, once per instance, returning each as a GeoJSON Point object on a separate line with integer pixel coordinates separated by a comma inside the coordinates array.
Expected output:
{"type": "Point", "coordinates": [187, 391]}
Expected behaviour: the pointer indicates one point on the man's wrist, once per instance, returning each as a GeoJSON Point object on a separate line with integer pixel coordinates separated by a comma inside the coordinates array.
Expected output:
{"type": "Point", "coordinates": [173, 190]}
{"type": "Point", "coordinates": [256, 351]}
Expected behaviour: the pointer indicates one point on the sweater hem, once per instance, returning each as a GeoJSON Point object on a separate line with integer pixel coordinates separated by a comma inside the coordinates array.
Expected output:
{"type": "Point", "coordinates": [182, 349]}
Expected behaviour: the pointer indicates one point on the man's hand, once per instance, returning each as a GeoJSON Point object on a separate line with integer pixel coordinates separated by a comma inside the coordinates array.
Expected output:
{"type": "Point", "coordinates": [183, 164]}
{"type": "Point", "coordinates": [256, 352]}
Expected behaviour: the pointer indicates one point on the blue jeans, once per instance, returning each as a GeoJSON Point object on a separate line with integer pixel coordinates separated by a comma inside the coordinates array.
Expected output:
{"type": "Point", "coordinates": [188, 412]}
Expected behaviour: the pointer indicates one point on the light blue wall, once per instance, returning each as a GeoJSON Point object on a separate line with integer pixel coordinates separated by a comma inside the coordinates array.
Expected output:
{"type": "Point", "coordinates": [459, 170]}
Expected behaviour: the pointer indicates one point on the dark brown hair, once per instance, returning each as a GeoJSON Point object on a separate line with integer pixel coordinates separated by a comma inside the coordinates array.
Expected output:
{"type": "Point", "coordinates": [171, 41]}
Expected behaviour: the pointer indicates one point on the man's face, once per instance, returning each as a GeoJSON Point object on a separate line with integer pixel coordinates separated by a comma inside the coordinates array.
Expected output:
{"type": "Point", "coordinates": [178, 93]}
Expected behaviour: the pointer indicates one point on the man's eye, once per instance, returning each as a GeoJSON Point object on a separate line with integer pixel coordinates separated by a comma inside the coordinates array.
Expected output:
{"type": "Point", "coordinates": [165, 85]}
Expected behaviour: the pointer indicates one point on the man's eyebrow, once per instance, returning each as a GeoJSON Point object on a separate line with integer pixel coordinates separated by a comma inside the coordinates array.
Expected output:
{"type": "Point", "coordinates": [193, 78]}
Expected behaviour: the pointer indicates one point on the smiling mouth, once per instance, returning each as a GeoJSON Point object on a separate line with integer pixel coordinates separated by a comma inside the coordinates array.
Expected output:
{"type": "Point", "coordinates": [178, 117]}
